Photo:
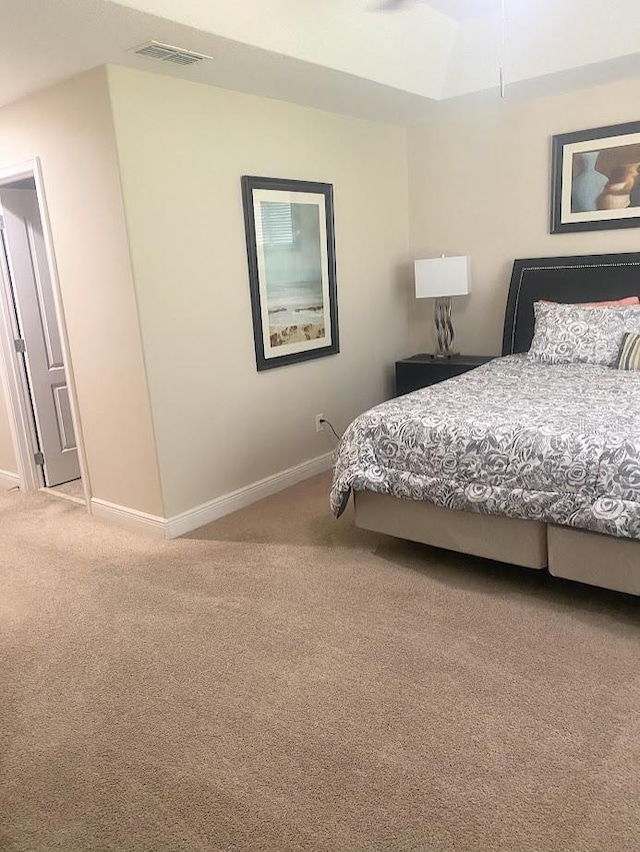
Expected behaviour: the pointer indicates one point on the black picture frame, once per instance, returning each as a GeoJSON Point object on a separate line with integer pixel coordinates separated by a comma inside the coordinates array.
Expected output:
{"type": "Point", "coordinates": [611, 170]}
{"type": "Point", "coordinates": [292, 270]}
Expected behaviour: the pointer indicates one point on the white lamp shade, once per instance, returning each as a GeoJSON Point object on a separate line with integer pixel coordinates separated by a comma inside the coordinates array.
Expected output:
{"type": "Point", "coordinates": [443, 276]}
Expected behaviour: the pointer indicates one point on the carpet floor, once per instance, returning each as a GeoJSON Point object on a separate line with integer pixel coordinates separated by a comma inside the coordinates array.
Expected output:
{"type": "Point", "coordinates": [282, 681]}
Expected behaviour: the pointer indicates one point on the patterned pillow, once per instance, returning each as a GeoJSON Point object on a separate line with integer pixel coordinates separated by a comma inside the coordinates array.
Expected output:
{"type": "Point", "coordinates": [629, 354]}
{"type": "Point", "coordinates": [573, 334]}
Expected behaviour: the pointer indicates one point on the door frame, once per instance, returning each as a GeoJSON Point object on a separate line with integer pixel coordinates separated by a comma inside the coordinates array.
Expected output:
{"type": "Point", "coordinates": [12, 375]}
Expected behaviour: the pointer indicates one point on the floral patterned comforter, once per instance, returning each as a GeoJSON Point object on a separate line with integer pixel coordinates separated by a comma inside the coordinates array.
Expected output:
{"type": "Point", "coordinates": [555, 443]}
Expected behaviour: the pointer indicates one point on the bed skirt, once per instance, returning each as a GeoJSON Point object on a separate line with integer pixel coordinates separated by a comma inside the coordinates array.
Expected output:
{"type": "Point", "coordinates": [587, 557]}
{"type": "Point", "coordinates": [511, 540]}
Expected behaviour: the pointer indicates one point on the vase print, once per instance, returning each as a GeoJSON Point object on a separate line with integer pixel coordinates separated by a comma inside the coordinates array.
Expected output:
{"type": "Point", "coordinates": [617, 193]}
{"type": "Point", "coordinates": [634, 195]}
{"type": "Point", "coordinates": [588, 185]}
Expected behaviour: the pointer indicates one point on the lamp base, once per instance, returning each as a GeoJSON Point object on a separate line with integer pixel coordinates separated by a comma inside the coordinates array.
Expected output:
{"type": "Point", "coordinates": [444, 327]}
{"type": "Point", "coordinates": [442, 356]}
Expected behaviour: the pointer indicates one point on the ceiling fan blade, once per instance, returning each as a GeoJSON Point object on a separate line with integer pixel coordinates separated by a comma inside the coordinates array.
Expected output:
{"type": "Point", "coordinates": [392, 5]}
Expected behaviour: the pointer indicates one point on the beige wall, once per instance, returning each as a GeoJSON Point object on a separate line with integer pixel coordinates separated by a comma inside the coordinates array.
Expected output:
{"type": "Point", "coordinates": [7, 455]}
{"type": "Point", "coordinates": [479, 184]}
{"type": "Point", "coordinates": [183, 147]}
{"type": "Point", "coordinates": [69, 127]}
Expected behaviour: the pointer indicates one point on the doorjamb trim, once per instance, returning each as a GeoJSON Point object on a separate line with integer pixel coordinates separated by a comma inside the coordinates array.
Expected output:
{"type": "Point", "coordinates": [15, 391]}
{"type": "Point", "coordinates": [9, 367]}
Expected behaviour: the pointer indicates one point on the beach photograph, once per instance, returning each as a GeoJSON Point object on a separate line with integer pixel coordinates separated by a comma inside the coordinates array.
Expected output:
{"type": "Point", "coordinates": [292, 269]}
{"type": "Point", "coordinates": [289, 237]}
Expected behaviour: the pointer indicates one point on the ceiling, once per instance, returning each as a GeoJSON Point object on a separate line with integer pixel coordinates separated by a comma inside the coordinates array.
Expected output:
{"type": "Point", "coordinates": [341, 55]}
{"type": "Point", "coordinates": [460, 9]}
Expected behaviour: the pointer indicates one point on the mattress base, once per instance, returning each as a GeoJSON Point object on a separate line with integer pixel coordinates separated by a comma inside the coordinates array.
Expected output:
{"type": "Point", "coordinates": [512, 540]}
{"type": "Point", "coordinates": [599, 560]}
{"type": "Point", "coordinates": [586, 557]}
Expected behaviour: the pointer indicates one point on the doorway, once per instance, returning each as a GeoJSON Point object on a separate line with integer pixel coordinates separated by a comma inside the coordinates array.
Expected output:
{"type": "Point", "coordinates": [38, 378]}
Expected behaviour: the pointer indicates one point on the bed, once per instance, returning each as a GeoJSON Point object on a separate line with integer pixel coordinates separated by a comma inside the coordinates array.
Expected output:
{"type": "Point", "coordinates": [531, 464]}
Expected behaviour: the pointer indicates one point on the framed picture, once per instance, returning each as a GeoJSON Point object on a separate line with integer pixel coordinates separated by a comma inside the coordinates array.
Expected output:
{"type": "Point", "coordinates": [292, 269]}
{"type": "Point", "coordinates": [595, 183]}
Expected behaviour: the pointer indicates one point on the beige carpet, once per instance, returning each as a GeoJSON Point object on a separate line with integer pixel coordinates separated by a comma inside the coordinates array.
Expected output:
{"type": "Point", "coordinates": [71, 489]}
{"type": "Point", "coordinates": [282, 681]}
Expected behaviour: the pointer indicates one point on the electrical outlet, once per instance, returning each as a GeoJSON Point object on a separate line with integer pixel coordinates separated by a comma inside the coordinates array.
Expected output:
{"type": "Point", "coordinates": [319, 424]}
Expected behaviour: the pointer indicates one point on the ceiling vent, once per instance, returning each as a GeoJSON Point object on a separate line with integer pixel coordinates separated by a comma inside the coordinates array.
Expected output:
{"type": "Point", "coordinates": [167, 53]}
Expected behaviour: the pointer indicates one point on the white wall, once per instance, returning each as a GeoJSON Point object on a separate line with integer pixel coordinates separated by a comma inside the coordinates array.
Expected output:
{"type": "Point", "coordinates": [479, 183]}
{"type": "Point", "coordinates": [541, 38]}
{"type": "Point", "coordinates": [410, 51]}
{"type": "Point", "coordinates": [69, 127]}
{"type": "Point", "coordinates": [183, 147]}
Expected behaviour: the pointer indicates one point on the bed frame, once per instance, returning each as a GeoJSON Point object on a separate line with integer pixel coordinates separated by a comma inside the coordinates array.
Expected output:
{"type": "Point", "coordinates": [599, 560]}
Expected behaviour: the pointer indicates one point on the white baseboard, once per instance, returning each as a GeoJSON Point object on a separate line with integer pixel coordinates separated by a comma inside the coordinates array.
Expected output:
{"type": "Point", "coordinates": [8, 480]}
{"type": "Point", "coordinates": [200, 515]}
{"type": "Point", "coordinates": [130, 518]}
{"type": "Point", "coordinates": [214, 509]}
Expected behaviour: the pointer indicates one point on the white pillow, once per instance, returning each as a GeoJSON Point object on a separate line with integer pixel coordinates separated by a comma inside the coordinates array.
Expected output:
{"type": "Point", "coordinates": [574, 334]}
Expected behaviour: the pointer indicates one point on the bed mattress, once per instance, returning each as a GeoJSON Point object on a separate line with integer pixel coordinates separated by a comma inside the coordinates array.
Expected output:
{"type": "Point", "coordinates": [553, 443]}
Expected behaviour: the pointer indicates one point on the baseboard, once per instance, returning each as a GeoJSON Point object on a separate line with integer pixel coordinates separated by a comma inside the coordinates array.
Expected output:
{"type": "Point", "coordinates": [214, 509]}
{"type": "Point", "coordinates": [8, 480]}
{"type": "Point", "coordinates": [130, 518]}
{"type": "Point", "coordinates": [200, 515]}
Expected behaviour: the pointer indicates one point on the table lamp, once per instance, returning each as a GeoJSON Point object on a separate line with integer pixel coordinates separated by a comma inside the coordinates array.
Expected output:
{"type": "Point", "coordinates": [440, 278]}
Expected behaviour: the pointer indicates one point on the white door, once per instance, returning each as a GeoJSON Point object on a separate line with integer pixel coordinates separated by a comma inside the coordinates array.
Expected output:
{"type": "Point", "coordinates": [32, 292]}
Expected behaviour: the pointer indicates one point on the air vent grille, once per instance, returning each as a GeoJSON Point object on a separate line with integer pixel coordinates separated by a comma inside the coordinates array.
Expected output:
{"type": "Point", "coordinates": [167, 53]}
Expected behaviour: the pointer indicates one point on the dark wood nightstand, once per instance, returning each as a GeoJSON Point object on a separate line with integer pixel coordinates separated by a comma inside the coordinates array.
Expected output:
{"type": "Point", "coordinates": [420, 371]}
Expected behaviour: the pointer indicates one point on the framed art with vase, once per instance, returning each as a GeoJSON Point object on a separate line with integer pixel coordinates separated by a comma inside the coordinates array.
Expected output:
{"type": "Point", "coordinates": [595, 179]}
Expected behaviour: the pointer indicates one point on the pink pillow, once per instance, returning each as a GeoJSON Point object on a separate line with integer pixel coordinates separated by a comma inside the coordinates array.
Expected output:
{"type": "Point", "coordinates": [614, 303]}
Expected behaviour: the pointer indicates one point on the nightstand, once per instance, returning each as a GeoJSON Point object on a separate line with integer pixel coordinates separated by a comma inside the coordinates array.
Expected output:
{"type": "Point", "coordinates": [420, 371]}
